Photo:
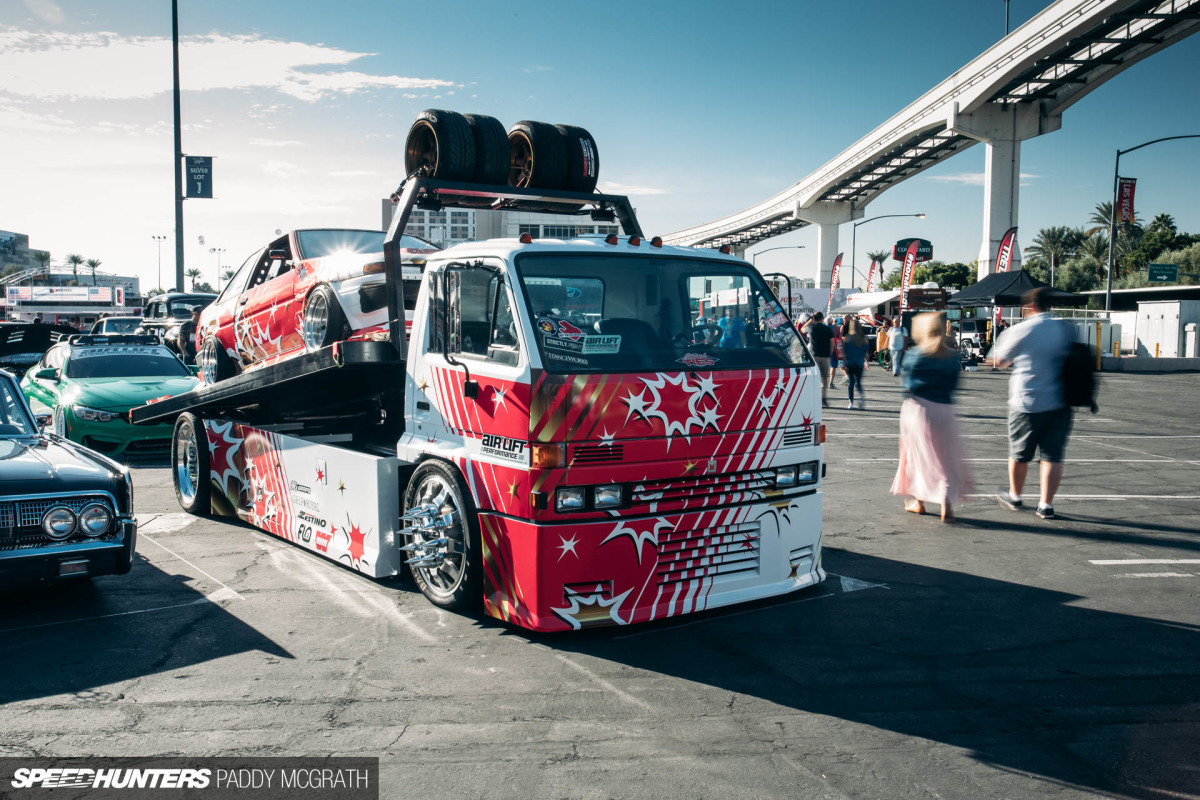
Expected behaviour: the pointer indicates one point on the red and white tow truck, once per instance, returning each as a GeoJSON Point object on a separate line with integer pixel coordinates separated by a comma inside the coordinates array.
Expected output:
{"type": "Point", "coordinates": [562, 438]}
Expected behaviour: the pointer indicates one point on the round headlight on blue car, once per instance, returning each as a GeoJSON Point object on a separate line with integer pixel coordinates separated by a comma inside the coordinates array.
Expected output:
{"type": "Point", "coordinates": [59, 523]}
{"type": "Point", "coordinates": [95, 520]}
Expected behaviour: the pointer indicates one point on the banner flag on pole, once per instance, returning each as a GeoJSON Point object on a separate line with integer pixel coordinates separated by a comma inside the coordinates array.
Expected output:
{"type": "Point", "coordinates": [910, 261]}
{"type": "Point", "coordinates": [871, 274]}
{"type": "Point", "coordinates": [1125, 189]}
{"type": "Point", "coordinates": [833, 281]}
{"type": "Point", "coordinates": [1004, 254]}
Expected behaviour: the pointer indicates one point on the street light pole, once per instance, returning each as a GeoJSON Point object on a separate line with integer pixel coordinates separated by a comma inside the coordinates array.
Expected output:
{"type": "Point", "coordinates": [159, 240]}
{"type": "Point", "coordinates": [854, 239]}
{"type": "Point", "coordinates": [754, 258]}
{"type": "Point", "coordinates": [1112, 217]}
{"type": "Point", "coordinates": [178, 151]}
{"type": "Point", "coordinates": [218, 251]}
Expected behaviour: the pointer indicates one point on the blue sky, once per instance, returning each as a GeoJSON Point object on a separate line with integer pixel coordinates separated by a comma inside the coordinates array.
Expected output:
{"type": "Point", "coordinates": [700, 108]}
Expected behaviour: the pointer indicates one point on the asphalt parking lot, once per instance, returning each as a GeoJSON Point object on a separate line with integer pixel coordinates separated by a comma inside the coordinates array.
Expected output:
{"type": "Point", "coordinates": [1003, 656]}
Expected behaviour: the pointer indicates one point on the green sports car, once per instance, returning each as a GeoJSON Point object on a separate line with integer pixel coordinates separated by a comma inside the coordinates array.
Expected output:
{"type": "Point", "coordinates": [88, 383]}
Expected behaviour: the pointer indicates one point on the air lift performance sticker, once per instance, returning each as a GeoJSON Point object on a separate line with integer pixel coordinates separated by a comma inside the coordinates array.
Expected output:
{"type": "Point", "coordinates": [600, 344]}
{"type": "Point", "coordinates": [504, 448]}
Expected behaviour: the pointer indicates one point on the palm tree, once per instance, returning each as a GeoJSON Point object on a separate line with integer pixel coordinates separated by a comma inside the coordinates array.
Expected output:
{"type": "Point", "coordinates": [881, 256]}
{"type": "Point", "coordinates": [1163, 222]}
{"type": "Point", "coordinates": [93, 263]}
{"type": "Point", "coordinates": [42, 257]}
{"type": "Point", "coordinates": [1095, 247]}
{"type": "Point", "coordinates": [227, 274]}
{"type": "Point", "coordinates": [1054, 244]}
{"type": "Point", "coordinates": [1100, 218]}
{"type": "Point", "coordinates": [194, 274]}
{"type": "Point", "coordinates": [75, 260]}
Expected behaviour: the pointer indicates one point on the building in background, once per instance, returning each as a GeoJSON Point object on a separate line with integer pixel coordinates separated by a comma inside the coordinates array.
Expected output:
{"type": "Point", "coordinates": [453, 226]}
{"type": "Point", "coordinates": [52, 295]}
{"type": "Point", "coordinates": [14, 249]}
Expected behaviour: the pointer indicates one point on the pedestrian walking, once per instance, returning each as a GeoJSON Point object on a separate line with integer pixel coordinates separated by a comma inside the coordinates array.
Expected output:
{"type": "Point", "coordinates": [820, 338]}
{"type": "Point", "coordinates": [1038, 415]}
{"type": "Point", "coordinates": [855, 348]}
{"type": "Point", "coordinates": [897, 343]}
{"type": "Point", "coordinates": [933, 453]}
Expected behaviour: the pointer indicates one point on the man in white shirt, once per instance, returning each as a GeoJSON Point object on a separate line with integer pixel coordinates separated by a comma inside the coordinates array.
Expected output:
{"type": "Point", "coordinates": [897, 342]}
{"type": "Point", "coordinates": [1038, 415]}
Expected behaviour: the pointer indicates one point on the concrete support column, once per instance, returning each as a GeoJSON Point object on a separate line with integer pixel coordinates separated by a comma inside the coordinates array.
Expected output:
{"type": "Point", "coordinates": [1001, 191]}
{"type": "Point", "coordinates": [827, 250]}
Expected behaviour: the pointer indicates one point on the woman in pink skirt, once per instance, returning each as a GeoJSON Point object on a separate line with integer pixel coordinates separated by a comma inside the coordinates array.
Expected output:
{"type": "Point", "coordinates": [933, 454]}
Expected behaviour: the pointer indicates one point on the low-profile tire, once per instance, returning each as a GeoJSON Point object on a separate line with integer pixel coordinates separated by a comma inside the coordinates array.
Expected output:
{"type": "Point", "coordinates": [457, 583]}
{"type": "Point", "coordinates": [583, 158]}
{"type": "Point", "coordinates": [190, 466]}
{"type": "Point", "coordinates": [440, 145]}
{"type": "Point", "coordinates": [323, 322]}
{"type": "Point", "coordinates": [537, 156]}
{"type": "Point", "coordinates": [214, 363]}
{"type": "Point", "coordinates": [491, 149]}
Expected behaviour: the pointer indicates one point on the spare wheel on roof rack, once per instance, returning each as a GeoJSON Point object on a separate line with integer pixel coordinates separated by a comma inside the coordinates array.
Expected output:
{"type": "Point", "coordinates": [538, 156]}
{"type": "Point", "coordinates": [440, 145]}
{"type": "Point", "coordinates": [583, 158]}
{"type": "Point", "coordinates": [491, 149]}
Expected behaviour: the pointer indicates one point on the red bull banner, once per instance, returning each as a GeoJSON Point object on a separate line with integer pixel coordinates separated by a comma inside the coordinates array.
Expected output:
{"type": "Point", "coordinates": [871, 275]}
{"type": "Point", "coordinates": [833, 281]}
{"type": "Point", "coordinates": [1004, 254]}
{"type": "Point", "coordinates": [910, 263]}
{"type": "Point", "coordinates": [1125, 189]}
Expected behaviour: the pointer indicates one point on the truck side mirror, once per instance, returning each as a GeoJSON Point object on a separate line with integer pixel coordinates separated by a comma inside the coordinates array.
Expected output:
{"type": "Point", "coordinates": [43, 421]}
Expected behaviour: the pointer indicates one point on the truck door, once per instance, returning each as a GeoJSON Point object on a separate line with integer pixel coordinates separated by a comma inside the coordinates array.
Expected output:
{"type": "Point", "coordinates": [473, 331]}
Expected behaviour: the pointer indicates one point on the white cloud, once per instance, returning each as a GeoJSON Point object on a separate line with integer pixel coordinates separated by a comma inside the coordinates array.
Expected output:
{"type": "Point", "coordinates": [353, 173]}
{"type": "Point", "coordinates": [281, 169]}
{"type": "Point", "coordinates": [57, 65]}
{"type": "Point", "coordinates": [46, 10]}
{"type": "Point", "coordinates": [613, 187]}
{"type": "Point", "coordinates": [976, 178]}
{"type": "Point", "coordinates": [274, 143]}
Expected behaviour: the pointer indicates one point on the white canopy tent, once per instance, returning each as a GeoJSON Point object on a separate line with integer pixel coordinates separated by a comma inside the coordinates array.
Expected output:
{"type": "Point", "coordinates": [857, 303]}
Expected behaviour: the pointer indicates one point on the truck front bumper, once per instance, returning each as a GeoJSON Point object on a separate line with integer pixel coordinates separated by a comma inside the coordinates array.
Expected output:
{"type": "Point", "coordinates": [557, 577]}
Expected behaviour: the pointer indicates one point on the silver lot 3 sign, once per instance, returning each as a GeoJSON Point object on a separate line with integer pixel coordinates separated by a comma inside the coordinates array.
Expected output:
{"type": "Point", "coordinates": [197, 176]}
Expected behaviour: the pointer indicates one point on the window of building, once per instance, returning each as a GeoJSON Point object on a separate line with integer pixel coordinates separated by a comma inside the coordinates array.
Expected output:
{"type": "Point", "coordinates": [533, 230]}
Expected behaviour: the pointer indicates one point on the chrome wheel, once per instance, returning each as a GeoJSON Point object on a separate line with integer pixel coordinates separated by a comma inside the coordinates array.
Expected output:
{"type": "Point", "coordinates": [206, 359]}
{"type": "Point", "coordinates": [187, 463]}
{"type": "Point", "coordinates": [436, 536]}
{"type": "Point", "coordinates": [316, 321]}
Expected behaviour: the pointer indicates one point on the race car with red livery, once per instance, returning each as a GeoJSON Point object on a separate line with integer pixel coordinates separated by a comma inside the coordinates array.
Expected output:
{"type": "Point", "coordinates": [302, 292]}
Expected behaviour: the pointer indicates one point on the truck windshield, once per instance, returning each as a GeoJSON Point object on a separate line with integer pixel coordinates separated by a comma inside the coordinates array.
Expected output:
{"type": "Point", "coordinates": [643, 314]}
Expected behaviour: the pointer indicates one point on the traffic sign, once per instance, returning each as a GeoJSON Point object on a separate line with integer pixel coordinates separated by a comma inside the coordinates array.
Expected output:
{"type": "Point", "coordinates": [197, 176]}
{"type": "Point", "coordinates": [924, 249]}
{"type": "Point", "coordinates": [1163, 273]}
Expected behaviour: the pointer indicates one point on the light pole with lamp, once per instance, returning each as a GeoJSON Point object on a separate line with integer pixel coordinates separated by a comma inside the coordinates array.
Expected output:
{"type": "Point", "coordinates": [854, 239]}
{"type": "Point", "coordinates": [754, 262]}
{"type": "Point", "coordinates": [218, 251]}
{"type": "Point", "coordinates": [1112, 218]}
{"type": "Point", "coordinates": [159, 240]}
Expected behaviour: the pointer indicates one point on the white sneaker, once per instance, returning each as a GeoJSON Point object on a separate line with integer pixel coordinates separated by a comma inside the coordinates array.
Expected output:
{"type": "Point", "coordinates": [850, 404]}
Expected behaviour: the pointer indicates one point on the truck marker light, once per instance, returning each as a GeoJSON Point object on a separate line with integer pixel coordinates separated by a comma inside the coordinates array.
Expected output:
{"type": "Point", "coordinates": [725, 249]}
{"type": "Point", "coordinates": [635, 241]}
{"type": "Point", "coordinates": [656, 241]}
{"type": "Point", "coordinates": [373, 268]}
{"type": "Point", "coordinates": [610, 239]}
{"type": "Point", "coordinates": [548, 456]}
{"type": "Point", "coordinates": [537, 500]}
{"type": "Point", "coordinates": [526, 238]}
{"type": "Point", "coordinates": [820, 433]}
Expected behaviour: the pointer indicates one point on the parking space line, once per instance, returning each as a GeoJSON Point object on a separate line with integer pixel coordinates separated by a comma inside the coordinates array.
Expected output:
{"type": "Point", "coordinates": [1109, 496]}
{"type": "Point", "coordinates": [1155, 575]}
{"type": "Point", "coordinates": [193, 566]}
{"type": "Point", "coordinates": [628, 698]}
{"type": "Point", "coordinates": [196, 602]}
{"type": "Point", "coordinates": [1068, 461]}
{"type": "Point", "coordinates": [1108, 562]}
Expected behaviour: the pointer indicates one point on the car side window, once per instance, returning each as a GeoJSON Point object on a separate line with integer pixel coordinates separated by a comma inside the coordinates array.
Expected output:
{"type": "Point", "coordinates": [274, 261]}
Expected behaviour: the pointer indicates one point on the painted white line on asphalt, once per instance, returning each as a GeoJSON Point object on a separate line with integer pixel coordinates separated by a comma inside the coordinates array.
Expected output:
{"type": "Point", "coordinates": [163, 523]}
{"type": "Point", "coordinates": [1108, 562]}
{"type": "Point", "coordinates": [1068, 461]}
{"type": "Point", "coordinates": [628, 698]}
{"type": "Point", "coordinates": [1111, 496]}
{"type": "Point", "coordinates": [1124, 449]}
{"type": "Point", "coordinates": [189, 563]}
{"type": "Point", "coordinates": [1155, 575]}
{"type": "Point", "coordinates": [197, 602]}
{"type": "Point", "coordinates": [1085, 436]}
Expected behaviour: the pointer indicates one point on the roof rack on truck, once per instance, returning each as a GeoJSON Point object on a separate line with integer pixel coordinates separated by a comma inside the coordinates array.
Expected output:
{"type": "Point", "coordinates": [353, 379]}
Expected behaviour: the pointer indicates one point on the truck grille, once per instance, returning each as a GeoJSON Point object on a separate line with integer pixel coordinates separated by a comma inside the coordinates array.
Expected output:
{"type": "Point", "coordinates": [708, 486]}
{"type": "Point", "coordinates": [710, 552]}
{"type": "Point", "coordinates": [797, 437]}
{"type": "Point", "coordinates": [597, 453]}
{"type": "Point", "coordinates": [21, 521]}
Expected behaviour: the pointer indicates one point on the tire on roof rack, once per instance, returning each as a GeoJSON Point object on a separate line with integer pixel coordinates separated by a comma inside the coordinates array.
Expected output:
{"type": "Point", "coordinates": [583, 158]}
{"type": "Point", "coordinates": [491, 149]}
{"type": "Point", "coordinates": [440, 145]}
{"type": "Point", "coordinates": [537, 156]}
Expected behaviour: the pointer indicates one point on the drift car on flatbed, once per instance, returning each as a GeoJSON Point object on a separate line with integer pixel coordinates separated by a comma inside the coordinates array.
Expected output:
{"type": "Point", "coordinates": [565, 440]}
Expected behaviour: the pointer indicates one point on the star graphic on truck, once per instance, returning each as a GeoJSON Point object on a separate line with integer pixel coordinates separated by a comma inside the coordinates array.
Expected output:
{"type": "Point", "coordinates": [675, 402]}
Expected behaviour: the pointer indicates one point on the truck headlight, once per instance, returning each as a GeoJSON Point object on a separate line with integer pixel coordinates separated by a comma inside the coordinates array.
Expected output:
{"type": "Point", "coordinates": [94, 414]}
{"type": "Point", "coordinates": [95, 519]}
{"type": "Point", "coordinates": [610, 496]}
{"type": "Point", "coordinates": [785, 477]}
{"type": "Point", "coordinates": [570, 498]}
{"type": "Point", "coordinates": [798, 475]}
{"type": "Point", "coordinates": [59, 523]}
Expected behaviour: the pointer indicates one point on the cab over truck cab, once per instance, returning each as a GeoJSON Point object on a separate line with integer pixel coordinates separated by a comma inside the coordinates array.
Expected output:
{"type": "Point", "coordinates": [567, 434]}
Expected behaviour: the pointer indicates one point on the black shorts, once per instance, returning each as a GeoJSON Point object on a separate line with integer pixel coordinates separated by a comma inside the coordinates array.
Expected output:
{"type": "Point", "coordinates": [1046, 431]}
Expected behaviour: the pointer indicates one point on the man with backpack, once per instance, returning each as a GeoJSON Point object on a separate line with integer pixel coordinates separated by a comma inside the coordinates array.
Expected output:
{"type": "Point", "coordinates": [1039, 415]}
